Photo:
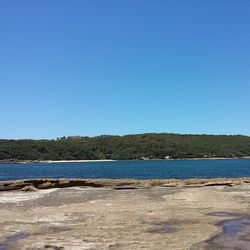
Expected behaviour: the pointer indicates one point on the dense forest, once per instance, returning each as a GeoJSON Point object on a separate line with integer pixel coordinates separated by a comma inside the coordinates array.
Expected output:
{"type": "Point", "coordinates": [140, 146]}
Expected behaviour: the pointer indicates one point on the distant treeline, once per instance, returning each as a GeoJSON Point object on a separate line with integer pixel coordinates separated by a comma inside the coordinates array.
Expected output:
{"type": "Point", "coordinates": [140, 146]}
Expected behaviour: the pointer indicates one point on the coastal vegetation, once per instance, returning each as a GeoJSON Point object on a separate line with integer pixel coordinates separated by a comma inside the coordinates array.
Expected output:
{"type": "Point", "coordinates": [128, 147]}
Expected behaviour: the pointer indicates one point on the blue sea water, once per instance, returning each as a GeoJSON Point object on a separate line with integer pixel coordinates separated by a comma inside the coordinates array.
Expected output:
{"type": "Point", "coordinates": [178, 169]}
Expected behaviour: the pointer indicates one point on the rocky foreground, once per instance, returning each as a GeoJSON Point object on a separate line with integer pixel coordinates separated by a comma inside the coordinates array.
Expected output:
{"type": "Point", "coordinates": [125, 214]}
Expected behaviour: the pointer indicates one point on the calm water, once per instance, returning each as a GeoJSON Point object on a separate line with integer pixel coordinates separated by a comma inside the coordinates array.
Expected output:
{"type": "Point", "coordinates": [179, 169]}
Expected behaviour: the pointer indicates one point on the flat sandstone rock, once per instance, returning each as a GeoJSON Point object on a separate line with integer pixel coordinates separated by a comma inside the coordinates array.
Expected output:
{"type": "Point", "coordinates": [125, 215]}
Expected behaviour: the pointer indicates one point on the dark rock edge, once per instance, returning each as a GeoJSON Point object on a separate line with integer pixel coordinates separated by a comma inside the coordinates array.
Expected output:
{"type": "Point", "coordinates": [33, 184]}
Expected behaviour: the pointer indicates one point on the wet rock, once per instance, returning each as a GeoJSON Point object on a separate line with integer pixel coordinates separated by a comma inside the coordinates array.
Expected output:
{"type": "Point", "coordinates": [160, 229]}
{"type": "Point", "coordinates": [18, 236]}
{"type": "Point", "coordinates": [54, 247]}
{"type": "Point", "coordinates": [234, 236]}
{"type": "Point", "coordinates": [221, 214]}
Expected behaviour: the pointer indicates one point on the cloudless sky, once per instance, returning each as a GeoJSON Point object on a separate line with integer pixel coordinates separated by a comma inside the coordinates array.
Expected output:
{"type": "Point", "coordinates": [91, 67]}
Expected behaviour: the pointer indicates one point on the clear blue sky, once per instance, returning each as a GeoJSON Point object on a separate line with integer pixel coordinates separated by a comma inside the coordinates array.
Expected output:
{"type": "Point", "coordinates": [88, 67]}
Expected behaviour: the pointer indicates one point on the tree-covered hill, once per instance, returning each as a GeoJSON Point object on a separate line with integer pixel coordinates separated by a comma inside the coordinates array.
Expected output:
{"type": "Point", "coordinates": [140, 146]}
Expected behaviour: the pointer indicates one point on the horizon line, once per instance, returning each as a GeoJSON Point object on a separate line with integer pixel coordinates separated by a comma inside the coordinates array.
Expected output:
{"type": "Point", "coordinates": [123, 135]}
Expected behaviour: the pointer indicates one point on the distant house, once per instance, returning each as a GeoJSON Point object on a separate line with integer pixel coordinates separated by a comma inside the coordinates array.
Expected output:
{"type": "Point", "coordinates": [145, 158]}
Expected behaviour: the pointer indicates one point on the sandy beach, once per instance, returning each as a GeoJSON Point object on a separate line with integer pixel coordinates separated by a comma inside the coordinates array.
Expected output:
{"type": "Point", "coordinates": [74, 161]}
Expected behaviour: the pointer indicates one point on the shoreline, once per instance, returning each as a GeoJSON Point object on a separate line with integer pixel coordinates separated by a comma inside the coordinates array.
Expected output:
{"type": "Point", "coordinates": [47, 183]}
{"type": "Point", "coordinates": [52, 161]}
{"type": "Point", "coordinates": [74, 161]}
{"type": "Point", "coordinates": [110, 160]}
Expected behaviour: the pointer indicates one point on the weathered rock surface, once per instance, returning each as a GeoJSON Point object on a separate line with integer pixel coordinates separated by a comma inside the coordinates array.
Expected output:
{"type": "Point", "coordinates": [122, 215]}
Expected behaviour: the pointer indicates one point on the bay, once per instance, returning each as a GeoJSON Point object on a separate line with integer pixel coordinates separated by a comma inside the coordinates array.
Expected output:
{"type": "Point", "coordinates": [151, 169]}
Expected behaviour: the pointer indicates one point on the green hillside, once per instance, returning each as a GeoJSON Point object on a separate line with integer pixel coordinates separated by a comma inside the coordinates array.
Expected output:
{"type": "Point", "coordinates": [140, 146]}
